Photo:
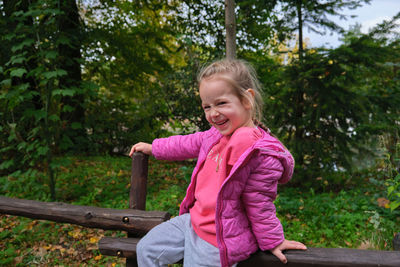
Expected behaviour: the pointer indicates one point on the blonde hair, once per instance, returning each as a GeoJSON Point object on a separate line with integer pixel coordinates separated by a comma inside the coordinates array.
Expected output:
{"type": "Point", "coordinates": [242, 76]}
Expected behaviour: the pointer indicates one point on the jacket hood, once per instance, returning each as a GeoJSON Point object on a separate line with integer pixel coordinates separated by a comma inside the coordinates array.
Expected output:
{"type": "Point", "coordinates": [270, 145]}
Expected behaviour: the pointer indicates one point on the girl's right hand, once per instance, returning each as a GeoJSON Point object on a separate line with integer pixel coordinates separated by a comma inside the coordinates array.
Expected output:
{"type": "Point", "coordinates": [141, 147]}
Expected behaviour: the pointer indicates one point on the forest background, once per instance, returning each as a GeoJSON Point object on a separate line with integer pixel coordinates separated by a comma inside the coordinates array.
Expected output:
{"type": "Point", "coordinates": [81, 81]}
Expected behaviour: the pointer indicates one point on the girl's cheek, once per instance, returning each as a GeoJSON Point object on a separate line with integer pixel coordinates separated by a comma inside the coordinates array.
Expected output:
{"type": "Point", "coordinates": [207, 116]}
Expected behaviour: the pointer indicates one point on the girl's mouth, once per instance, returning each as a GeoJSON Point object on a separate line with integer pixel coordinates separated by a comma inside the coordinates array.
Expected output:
{"type": "Point", "coordinates": [219, 123]}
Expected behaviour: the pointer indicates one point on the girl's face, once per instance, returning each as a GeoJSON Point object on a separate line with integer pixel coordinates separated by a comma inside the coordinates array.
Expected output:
{"type": "Point", "coordinates": [222, 107]}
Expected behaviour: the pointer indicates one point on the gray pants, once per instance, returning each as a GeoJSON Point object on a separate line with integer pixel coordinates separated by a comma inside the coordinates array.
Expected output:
{"type": "Point", "coordinates": [173, 240]}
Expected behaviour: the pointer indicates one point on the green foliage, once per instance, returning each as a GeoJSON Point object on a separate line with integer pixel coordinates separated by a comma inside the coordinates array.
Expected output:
{"type": "Point", "coordinates": [348, 218]}
{"type": "Point", "coordinates": [353, 217]}
{"type": "Point", "coordinates": [140, 62]}
{"type": "Point", "coordinates": [128, 52]}
{"type": "Point", "coordinates": [391, 163]}
{"type": "Point", "coordinates": [330, 106]}
{"type": "Point", "coordinates": [36, 95]}
{"type": "Point", "coordinates": [393, 192]}
{"type": "Point", "coordinates": [115, 123]}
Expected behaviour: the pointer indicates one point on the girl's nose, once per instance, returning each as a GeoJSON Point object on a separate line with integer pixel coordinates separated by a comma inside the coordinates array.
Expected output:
{"type": "Point", "coordinates": [214, 112]}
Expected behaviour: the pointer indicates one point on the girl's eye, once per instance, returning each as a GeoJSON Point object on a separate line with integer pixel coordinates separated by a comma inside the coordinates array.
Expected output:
{"type": "Point", "coordinates": [221, 103]}
{"type": "Point", "coordinates": [206, 107]}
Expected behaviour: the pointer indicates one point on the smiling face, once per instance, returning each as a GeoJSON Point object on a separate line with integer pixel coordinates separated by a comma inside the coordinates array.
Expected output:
{"type": "Point", "coordinates": [222, 107]}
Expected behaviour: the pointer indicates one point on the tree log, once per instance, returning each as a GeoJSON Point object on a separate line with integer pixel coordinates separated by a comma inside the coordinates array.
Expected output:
{"type": "Point", "coordinates": [120, 247]}
{"type": "Point", "coordinates": [322, 257]}
{"type": "Point", "coordinates": [315, 257]}
{"type": "Point", "coordinates": [133, 221]}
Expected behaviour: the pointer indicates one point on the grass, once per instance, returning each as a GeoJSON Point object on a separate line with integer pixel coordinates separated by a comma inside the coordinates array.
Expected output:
{"type": "Point", "coordinates": [353, 218]}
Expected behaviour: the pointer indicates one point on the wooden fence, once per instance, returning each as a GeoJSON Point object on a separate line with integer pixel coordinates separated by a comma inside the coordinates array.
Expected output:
{"type": "Point", "coordinates": [137, 222]}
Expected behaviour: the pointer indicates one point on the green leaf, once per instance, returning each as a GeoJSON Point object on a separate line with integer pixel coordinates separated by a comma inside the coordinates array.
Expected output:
{"type": "Point", "coordinates": [23, 86]}
{"type": "Point", "coordinates": [18, 13]}
{"type": "Point", "coordinates": [6, 164]}
{"type": "Point", "coordinates": [6, 82]}
{"type": "Point", "coordinates": [63, 40]}
{"type": "Point", "coordinates": [67, 108]}
{"type": "Point", "coordinates": [26, 42]}
{"type": "Point", "coordinates": [39, 114]}
{"type": "Point", "coordinates": [390, 190]}
{"type": "Point", "coordinates": [54, 74]}
{"type": "Point", "coordinates": [63, 92]}
{"type": "Point", "coordinates": [22, 146]}
{"type": "Point", "coordinates": [18, 72]}
{"type": "Point", "coordinates": [54, 117]}
{"type": "Point", "coordinates": [42, 150]}
{"type": "Point", "coordinates": [76, 125]}
{"type": "Point", "coordinates": [50, 54]}
{"type": "Point", "coordinates": [394, 205]}
{"type": "Point", "coordinates": [10, 36]}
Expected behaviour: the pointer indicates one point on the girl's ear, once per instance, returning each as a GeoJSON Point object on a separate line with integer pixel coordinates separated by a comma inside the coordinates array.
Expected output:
{"type": "Point", "coordinates": [251, 91]}
{"type": "Point", "coordinates": [248, 103]}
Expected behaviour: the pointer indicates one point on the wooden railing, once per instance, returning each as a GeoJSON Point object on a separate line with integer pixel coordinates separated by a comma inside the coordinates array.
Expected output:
{"type": "Point", "coordinates": [137, 222]}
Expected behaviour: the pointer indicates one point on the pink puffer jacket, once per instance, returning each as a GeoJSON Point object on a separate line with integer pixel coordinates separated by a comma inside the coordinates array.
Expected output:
{"type": "Point", "coordinates": [245, 213]}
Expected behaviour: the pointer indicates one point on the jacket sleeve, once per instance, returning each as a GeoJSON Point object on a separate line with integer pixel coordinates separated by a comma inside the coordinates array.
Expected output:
{"type": "Point", "coordinates": [178, 147]}
{"type": "Point", "coordinates": [258, 196]}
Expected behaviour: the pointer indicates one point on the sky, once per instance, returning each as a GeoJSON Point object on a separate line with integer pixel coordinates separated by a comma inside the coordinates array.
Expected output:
{"type": "Point", "coordinates": [367, 15]}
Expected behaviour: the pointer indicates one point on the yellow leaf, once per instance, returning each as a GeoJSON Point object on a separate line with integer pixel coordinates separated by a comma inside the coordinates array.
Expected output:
{"type": "Point", "coordinates": [387, 206]}
{"type": "Point", "coordinates": [98, 257]}
{"type": "Point", "coordinates": [76, 233]}
{"type": "Point", "coordinates": [94, 240]}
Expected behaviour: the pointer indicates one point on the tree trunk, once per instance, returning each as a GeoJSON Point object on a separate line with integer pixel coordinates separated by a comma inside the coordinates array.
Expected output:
{"type": "Point", "coordinates": [299, 132]}
{"type": "Point", "coordinates": [300, 20]}
{"type": "Point", "coordinates": [230, 25]}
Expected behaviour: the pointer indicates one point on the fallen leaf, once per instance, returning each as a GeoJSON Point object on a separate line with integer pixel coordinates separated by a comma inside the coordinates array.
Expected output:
{"type": "Point", "coordinates": [382, 202]}
{"type": "Point", "coordinates": [93, 240]}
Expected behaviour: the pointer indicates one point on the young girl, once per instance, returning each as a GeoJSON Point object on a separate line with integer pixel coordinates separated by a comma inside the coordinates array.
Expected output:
{"type": "Point", "coordinates": [228, 212]}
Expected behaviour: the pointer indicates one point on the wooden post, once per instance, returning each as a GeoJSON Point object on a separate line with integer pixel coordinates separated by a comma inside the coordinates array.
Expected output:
{"type": "Point", "coordinates": [138, 190]}
{"type": "Point", "coordinates": [396, 242]}
{"type": "Point", "coordinates": [137, 194]}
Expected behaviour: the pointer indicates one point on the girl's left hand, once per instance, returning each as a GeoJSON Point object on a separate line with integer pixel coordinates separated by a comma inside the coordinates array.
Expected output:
{"type": "Point", "coordinates": [141, 147]}
{"type": "Point", "coordinates": [286, 244]}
